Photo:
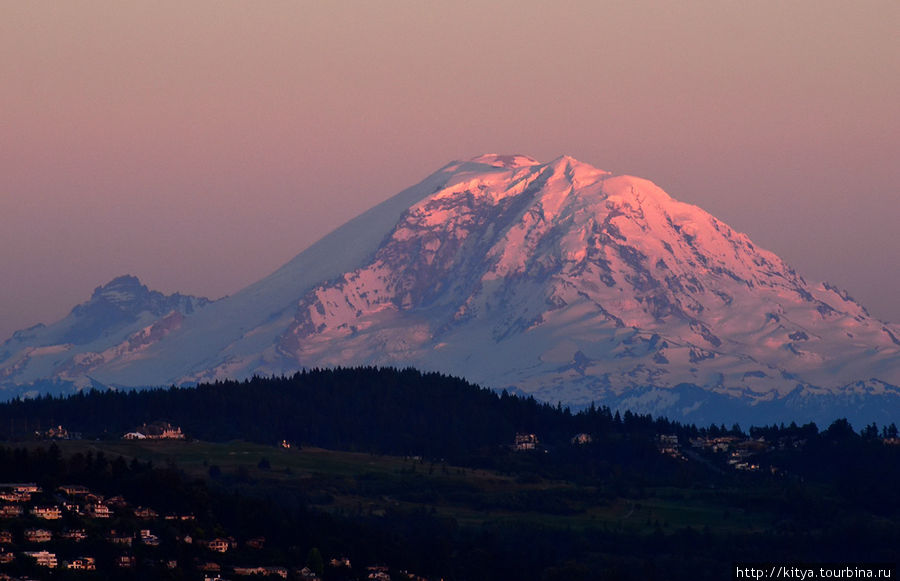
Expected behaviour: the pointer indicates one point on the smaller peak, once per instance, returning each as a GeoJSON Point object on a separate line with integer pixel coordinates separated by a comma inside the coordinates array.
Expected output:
{"type": "Point", "coordinates": [510, 161]}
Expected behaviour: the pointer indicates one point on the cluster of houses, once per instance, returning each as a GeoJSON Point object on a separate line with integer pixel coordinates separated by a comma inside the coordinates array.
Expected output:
{"type": "Point", "coordinates": [75, 500]}
{"type": "Point", "coordinates": [668, 445]}
{"type": "Point", "coordinates": [739, 449]}
{"type": "Point", "coordinates": [57, 433]}
{"type": "Point", "coordinates": [155, 431]}
{"type": "Point", "coordinates": [70, 504]}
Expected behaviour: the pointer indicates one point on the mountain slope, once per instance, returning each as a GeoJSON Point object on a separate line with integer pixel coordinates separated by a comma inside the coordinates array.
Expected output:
{"type": "Point", "coordinates": [569, 283]}
{"type": "Point", "coordinates": [558, 280]}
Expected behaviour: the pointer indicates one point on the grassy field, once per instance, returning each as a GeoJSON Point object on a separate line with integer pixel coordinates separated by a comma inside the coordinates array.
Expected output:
{"type": "Point", "coordinates": [349, 482]}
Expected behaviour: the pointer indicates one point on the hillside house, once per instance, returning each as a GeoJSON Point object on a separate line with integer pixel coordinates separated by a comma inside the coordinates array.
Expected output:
{"type": "Point", "coordinates": [125, 561]}
{"type": "Point", "coordinates": [11, 511]}
{"type": "Point", "coordinates": [47, 512]}
{"type": "Point", "coordinates": [582, 439]}
{"type": "Point", "coordinates": [29, 487]}
{"type": "Point", "coordinates": [98, 510]}
{"type": "Point", "coordinates": [82, 564]}
{"type": "Point", "coordinates": [73, 507]}
{"type": "Point", "coordinates": [307, 574]}
{"type": "Point", "coordinates": [525, 442]}
{"type": "Point", "coordinates": [38, 536]}
{"type": "Point", "coordinates": [256, 543]}
{"type": "Point", "coordinates": [218, 545]}
{"type": "Point", "coordinates": [340, 562]}
{"type": "Point", "coordinates": [74, 535]}
{"type": "Point", "coordinates": [149, 538]}
{"type": "Point", "coordinates": [264, 571]}
{"type": "Point", "coordinates": [210, 566]}
{"type": "Point", "coordinates": [117, 501]}
{"type": "Point", "coordinates": [378, 573]}
{"type": "Point", "coordinates": [43, 558]}
{"type": "Point", "coordinates": [17, 492]}
{"type": "Point", "coordinates": [6, 556]}
{"type": "Point", "coordinates": [668, 445]}
{"type": "Point", "coordinates": [13, 496]}
{"type": "Point", "coordinates": [145, 513]}
{"type": "Point", "coordinates": [74, 490]}
{"type": "Point", "coordinates": [120, 538]}
{"type": "Point", "coordinates": [5, 537]}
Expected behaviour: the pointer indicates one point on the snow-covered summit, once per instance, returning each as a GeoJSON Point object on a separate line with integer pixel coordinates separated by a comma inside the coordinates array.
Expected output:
{"type": "Point", "coordinates": [505, 161]}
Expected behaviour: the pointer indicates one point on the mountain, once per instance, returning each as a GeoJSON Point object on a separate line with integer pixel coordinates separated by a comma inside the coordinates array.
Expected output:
{"type": "Point", "coordinates": [120, 321]}
{"type": "Point", "coordinates": [555, 279]}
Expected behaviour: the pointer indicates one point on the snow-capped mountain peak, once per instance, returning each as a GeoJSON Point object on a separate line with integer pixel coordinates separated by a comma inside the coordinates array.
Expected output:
{"type": "Point", "coordinates": [556, 279]}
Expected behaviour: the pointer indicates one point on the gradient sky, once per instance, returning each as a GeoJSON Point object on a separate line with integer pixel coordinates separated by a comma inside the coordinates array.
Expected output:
{"type": "Point", "coordinates": [200, 145]}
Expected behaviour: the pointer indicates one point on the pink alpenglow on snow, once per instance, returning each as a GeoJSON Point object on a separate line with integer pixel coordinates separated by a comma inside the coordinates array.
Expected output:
{"type": "Point", "coordinates": [558, 280]}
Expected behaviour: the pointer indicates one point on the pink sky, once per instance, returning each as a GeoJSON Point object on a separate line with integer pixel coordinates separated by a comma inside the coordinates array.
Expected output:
{"type": "Point", "coordinates": [200, 145]}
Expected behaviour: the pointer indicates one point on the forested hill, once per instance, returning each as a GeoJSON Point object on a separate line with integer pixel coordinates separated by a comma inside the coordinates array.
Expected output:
{"type": "Point", "coordinates": [380, 410]}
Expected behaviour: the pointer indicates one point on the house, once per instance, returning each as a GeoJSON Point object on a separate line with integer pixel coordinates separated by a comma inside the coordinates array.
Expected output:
{"type": "Point", "coordinates": [38, 535]}
{"type": "Point", "coordinates": [98, 510]}
{"type": "Point", "coordinates": [18, 492]}
{"type": "Point", "coordinates": [6, 556]}
{"type": "Point", "coordinates": [13, 496]}
{"type": "Point", "coordinates": [582, 439]}
{"type": "Point", "coordinates": [256, 543]}
{"type": "Point", "coordinates": [82, 564]}
{"type": "Point", "coordinates": [43, 558]}
{"type": "Point", "coordinates": [145, 513]}
{"type": "Point", "coordinates": [378, 573]}
{"type": "Point", "coordinates": [117, 501]}
{"type": "Point", "coordinates": [525, 442]}
{"type": "Point", "coordinates": [119, 538]}
{"type": "Point", "coordinates": [10, 511]}
{"type": "Point", "coordinates": [668, 445]}
{"type": "Point", "coordinates": [307, 574]}
{"type": "Point", "coordinates": [47, 512]}
{"type": "Point", "coordinates": [5, 537]}
{"type": "Point", "coordinates": [73, 507]}
{"type": "Point", "coordinates": [149, 538]}
{"type": "Point", "coordinates": [134, 436]}
{"type": "Point", "coordinates": [73, 535]}
{"type": "Point", "coordinates": [125, 561]}
{"type": "Point", "coordinates": [218, 545]}
{"type": "Point", "coordinates": [74, 490]}
{"type": "Point", "coordinates": [30, 487]}
{"type": "Point", "coordinates": [210, 566]}
{"type": "Point", "coordinates": [265, 571]}
{"type": "Point", "coordinates": [340, 562]}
